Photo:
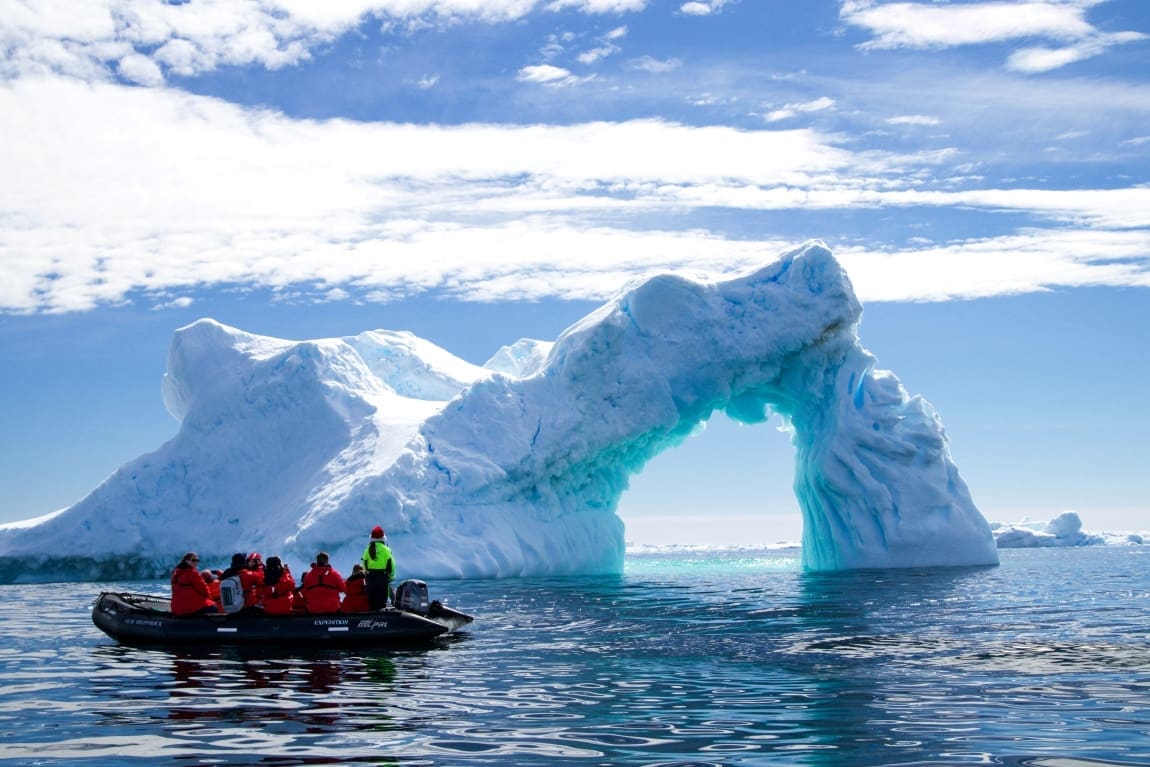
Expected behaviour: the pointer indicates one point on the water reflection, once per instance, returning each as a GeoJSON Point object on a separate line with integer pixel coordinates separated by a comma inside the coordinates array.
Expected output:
{"type": "Point", "coordinates": [231, 701]}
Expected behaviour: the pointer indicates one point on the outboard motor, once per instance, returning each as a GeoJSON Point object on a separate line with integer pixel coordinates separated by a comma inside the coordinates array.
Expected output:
{"type": "Point", "coordinates": [411, 595]}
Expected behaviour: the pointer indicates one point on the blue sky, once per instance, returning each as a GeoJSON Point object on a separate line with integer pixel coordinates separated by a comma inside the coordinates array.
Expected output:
{"type": "Point", "coordinates": [480, 171]}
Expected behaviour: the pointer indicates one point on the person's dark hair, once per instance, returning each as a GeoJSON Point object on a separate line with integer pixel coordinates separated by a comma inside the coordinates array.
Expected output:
{"type": "Point", "coordinates": [239, 562]}
{"type": "Point", "coordinates": [321, 559]}
{"type": "Point", "coordinates": [273, 571]}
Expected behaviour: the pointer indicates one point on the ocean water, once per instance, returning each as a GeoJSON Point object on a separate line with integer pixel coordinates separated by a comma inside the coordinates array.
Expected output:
{"type": "Point", "coordinates": [689, 658]}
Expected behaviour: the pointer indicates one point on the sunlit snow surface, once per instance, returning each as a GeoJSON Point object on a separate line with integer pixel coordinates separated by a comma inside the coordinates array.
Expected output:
{"type": "Point", "coordinates": [517, 468]}
{"type": "Point", "coordinates": [1065, 530]}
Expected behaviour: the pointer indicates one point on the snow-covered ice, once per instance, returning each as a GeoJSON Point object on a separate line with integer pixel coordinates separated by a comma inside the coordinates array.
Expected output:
{"type": "Point", "coordinates": [517, 467]}
{"type": "Point", "coordinates": [1063, 530]}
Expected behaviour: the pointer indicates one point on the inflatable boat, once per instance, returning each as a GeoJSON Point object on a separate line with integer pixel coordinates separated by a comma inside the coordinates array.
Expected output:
{"type": "Point", "coordinates": [147, 619]}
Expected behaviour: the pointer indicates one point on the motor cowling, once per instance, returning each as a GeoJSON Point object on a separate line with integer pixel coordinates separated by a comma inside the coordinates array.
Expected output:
{"type": "Point", "coordinates": [411, 595]}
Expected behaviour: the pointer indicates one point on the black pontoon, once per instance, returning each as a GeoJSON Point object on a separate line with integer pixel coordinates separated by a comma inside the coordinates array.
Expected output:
{"type": "Point", "coordinates": [147, 619]}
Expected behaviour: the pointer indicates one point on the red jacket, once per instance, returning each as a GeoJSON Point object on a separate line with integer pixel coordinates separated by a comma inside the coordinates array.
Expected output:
{"type": "Point", "coordinates": [189, 592]}
{"type": "Point", "coordinates": [321, 588]}
{"type": "Point", "coordinates": [214, 590]}
{"type": "Point", "coordinates": [278, 597]}
{"type": "Point", "coordinates": [356, 599]}
{"type": "Point", "coordinates": [253, 583]}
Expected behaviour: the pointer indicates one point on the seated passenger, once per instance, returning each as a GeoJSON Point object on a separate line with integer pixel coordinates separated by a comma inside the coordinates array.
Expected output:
{"type": "Point", "coordinates": [189, 592]}
{"type": "Point", "coordinates": [277, 592]}
{"type": "Point", "coordinates": [253, 579]}
{"type": "Point", "coordinates": [213, 582]}
{"type": "Point", "coordinates": [322, 586]}
{"type": "Point", "coordinates": [356, 586]}
{"type": "Point", "coordinates": [233, 584]}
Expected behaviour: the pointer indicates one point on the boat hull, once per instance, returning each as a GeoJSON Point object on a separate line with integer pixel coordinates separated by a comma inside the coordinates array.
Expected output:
{"type": "Point", "coordinates": [146, 619]}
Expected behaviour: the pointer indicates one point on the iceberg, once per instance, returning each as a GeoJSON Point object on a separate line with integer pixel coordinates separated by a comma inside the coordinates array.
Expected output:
{"type": "Point", "coordinates": [1064, 530]}
{"type": "Point", "coordinates": [517, 467]}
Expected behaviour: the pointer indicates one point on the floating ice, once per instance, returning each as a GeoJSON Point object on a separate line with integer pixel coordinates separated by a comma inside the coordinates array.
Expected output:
{"type": "Point", "coordinates": [1064, 530]}
{"type": "Point", "coordinates": [517, 468]}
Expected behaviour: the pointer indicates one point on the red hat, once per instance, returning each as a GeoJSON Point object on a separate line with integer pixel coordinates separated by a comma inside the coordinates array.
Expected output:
{"type": "Point", "coordinates": [256, 556]}
{"type": "Point", "coordinates": [377, 532]}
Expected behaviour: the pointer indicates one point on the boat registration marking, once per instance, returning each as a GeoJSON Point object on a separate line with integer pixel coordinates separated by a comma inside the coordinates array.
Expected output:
{"type": "Point", "coordinates": [372, 625]}
{"type": "Point", "coordinates": [337, 628]}
{"type": "Point", "coordinates": [227, 629]}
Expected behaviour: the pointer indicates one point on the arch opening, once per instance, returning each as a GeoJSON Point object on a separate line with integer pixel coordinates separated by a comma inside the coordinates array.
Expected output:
{"type": "Point", "coordinates": [727, 484]}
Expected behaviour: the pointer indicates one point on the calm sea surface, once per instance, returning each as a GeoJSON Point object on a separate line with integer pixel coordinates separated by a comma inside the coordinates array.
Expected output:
{"type": "Point", "coordinates": [734, 658]}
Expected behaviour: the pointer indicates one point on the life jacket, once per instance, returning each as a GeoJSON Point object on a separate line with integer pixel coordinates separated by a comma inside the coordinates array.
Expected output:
{"type": "Point", "coordinates": [279, 596]}
{"type": "Point", "coordinates": [321, 588]}
{"type": "Point", "coordinates": [356, 599]}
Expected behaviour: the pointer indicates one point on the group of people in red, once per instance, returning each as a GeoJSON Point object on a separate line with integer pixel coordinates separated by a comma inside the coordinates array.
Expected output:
{"type": "Point", "coordinates": [253, 586]}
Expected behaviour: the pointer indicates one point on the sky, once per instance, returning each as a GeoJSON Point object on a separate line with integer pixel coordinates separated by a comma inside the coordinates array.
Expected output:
{"type": "Point", "coordinates": [477, 172]}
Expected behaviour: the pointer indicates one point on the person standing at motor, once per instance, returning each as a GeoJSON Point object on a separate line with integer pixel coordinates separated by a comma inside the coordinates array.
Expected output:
{"type": "Point", "coordinates": [380, 567]}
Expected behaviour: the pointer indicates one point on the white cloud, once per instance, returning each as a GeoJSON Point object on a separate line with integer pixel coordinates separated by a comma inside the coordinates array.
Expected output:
{"type": "Point", "coordinates": [914, 120]}
{"type": "Point", "coordinates": [599, 6]}
{"type": "Point", "coordinates": [1039, 59]}
{"type": "Point", "coordinates": [1021, 263]}
{"type": "Point", "coordinates": [655, 66]}
{"type": "Point", "coordinates": [927, 25]}
{"type": "Point", "coordinates": [140, 69]}
{"type": "Point", "coordinates": [182, 302]}
{"type": "Point", "coordinates": [545, 74]}
{"type": "Point", "coordinates": [608, 47]}
{"type": "Point", "coordinates": [806, 107]}
{"type": "Point", "coordinates": [702, 7]}
{"type": "Point", "coordinates": [595, 54]}
{"type": "Point", "coordinates": [556, 45]}
{"type": "Point", "coordinates": [95, 39]}
{"type": "Point", "coordinates": [695, 9]}
{"type": "Point", "coordinates": [155, 190]}
{"type": "Point", "coordinates": [935, 25]}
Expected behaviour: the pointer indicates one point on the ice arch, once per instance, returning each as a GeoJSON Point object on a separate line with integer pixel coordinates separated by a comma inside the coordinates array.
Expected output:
{"type": "Point", "coordinates": [524, 474]}
{"type": "Point", "coordinates": [293, 447]}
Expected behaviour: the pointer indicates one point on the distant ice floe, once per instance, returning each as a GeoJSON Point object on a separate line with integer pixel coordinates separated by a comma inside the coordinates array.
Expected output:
{"type": "Point", "coordinates": [1065, 530]}
{"type": "Point", "coordinates": [1062, 531]}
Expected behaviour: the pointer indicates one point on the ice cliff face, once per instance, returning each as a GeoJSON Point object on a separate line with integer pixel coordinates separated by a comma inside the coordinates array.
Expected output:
{"type": "Point", "coordinates": [516, 468]}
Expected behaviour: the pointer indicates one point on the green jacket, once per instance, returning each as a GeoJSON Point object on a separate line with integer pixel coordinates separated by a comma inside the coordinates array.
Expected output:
{"type": "Point", "coordinates": [382, 559]}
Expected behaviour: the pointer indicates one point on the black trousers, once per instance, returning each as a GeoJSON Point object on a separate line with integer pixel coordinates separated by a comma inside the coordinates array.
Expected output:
{"type": "Point", "coordinates": [378, 588]}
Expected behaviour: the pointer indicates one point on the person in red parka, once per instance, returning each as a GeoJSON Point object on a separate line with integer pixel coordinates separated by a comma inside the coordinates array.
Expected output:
{"type": "Point", "coordinates": [322, 586]}
{"type": "Point", "coordinates": [356, 585]}
{"type": "Point", "coordinates": [278, 590]}
{"type": "Point", "coordinates": [253, 580]}
{"type": "Point", "coordinates": [213, 580]}
{"type": "Point", "coordinates": [189, 592]}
